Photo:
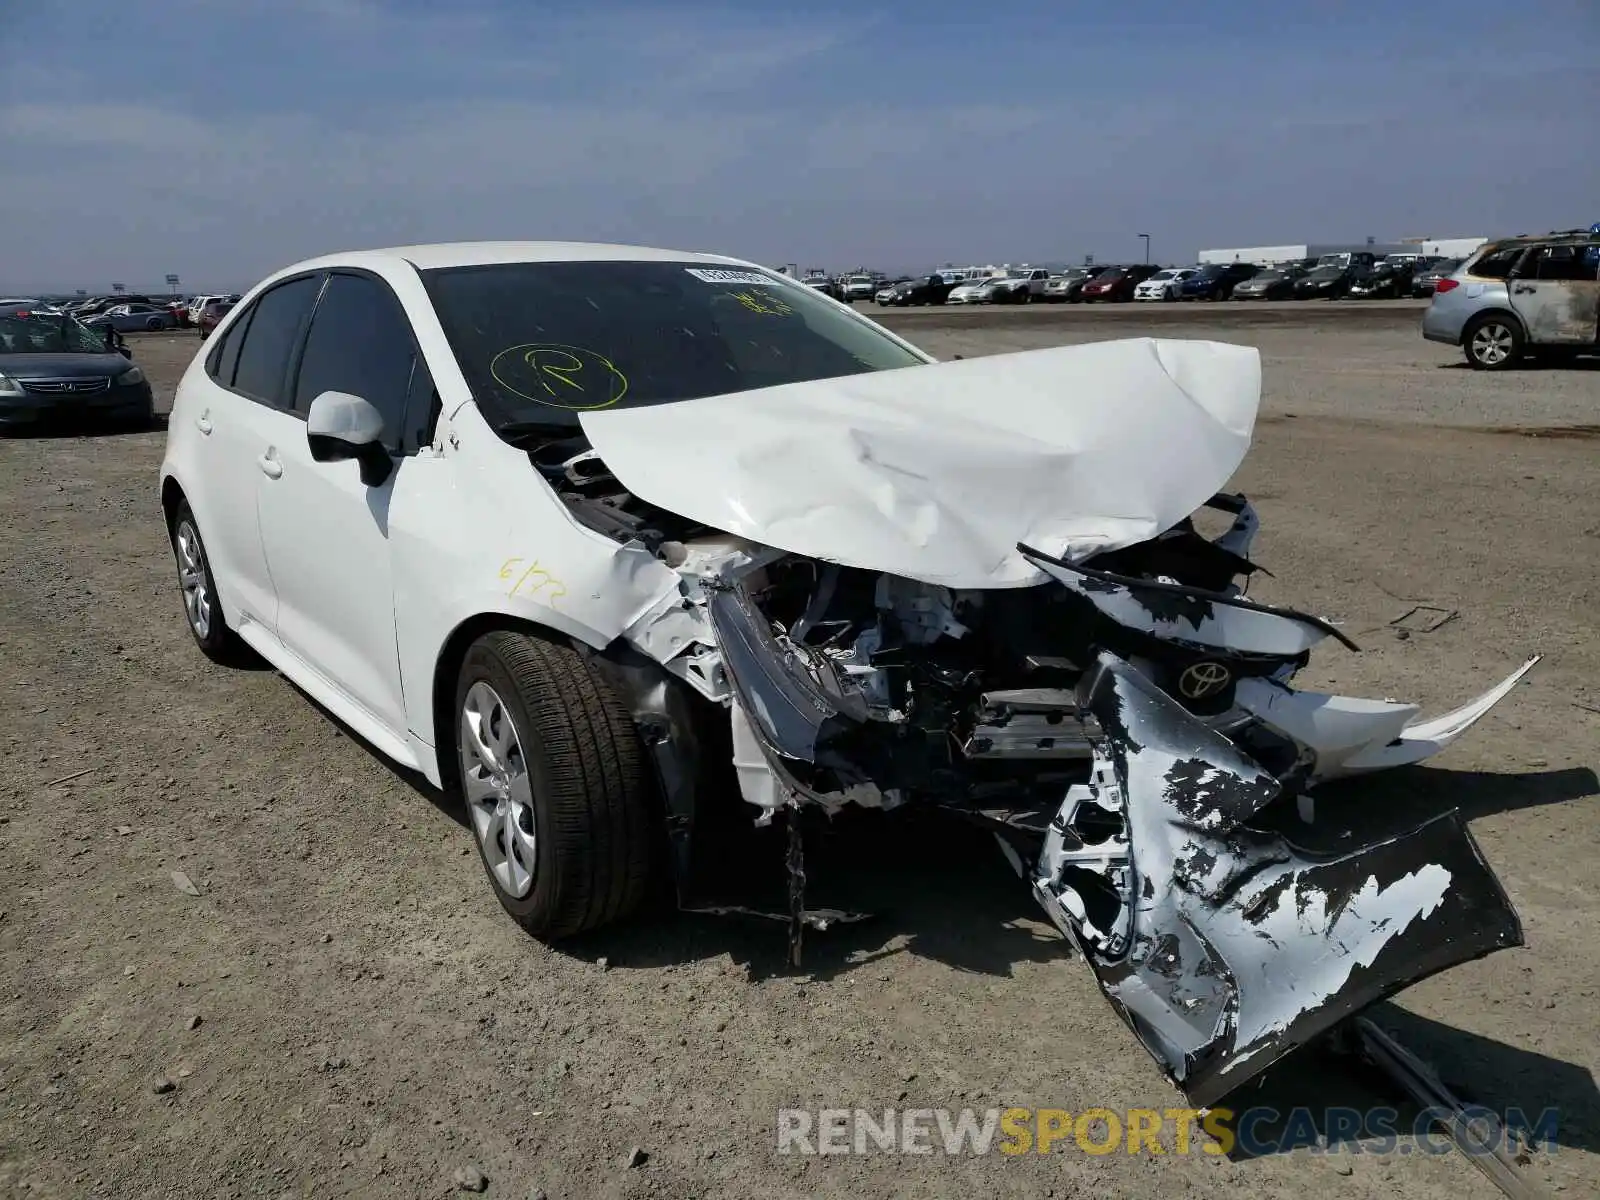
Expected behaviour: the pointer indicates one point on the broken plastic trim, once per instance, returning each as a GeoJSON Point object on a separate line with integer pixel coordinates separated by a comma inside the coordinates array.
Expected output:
{"type": "Point", "coordinates": [1053, 566]}
{"type": "Point", "coordinates": [1233, 946]}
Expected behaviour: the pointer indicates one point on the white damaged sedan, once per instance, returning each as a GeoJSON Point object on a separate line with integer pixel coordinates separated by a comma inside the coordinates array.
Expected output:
{"type": "Point", "coordinates": [616, 543]}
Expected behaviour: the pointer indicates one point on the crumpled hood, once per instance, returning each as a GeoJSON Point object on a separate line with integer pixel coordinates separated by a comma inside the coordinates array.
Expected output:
{"type": "Point", "coordinates": [936, 472]}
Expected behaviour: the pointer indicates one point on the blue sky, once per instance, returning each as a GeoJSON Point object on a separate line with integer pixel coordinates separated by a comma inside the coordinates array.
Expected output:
{"type": "Point", "coordinates": [221, 139]}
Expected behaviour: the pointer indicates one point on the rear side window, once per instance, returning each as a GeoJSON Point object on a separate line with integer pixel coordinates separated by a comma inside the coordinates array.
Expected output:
{"type": "Point", "coordinates": [225, 358]}
{"type": "Point", "coordinates": [361, 343]}
{"type": "Point", "coordinates": [1560, 262]}
{"type": "Point", "coordinates": [274, 329]}
{"type": "Point", "coordinates": [1497, 264]}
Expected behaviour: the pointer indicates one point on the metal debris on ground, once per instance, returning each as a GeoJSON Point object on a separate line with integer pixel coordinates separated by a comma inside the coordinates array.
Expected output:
{"type": "Point", "coordinates": [1424, 618]}
{"type": "Point", "coordinates": [184, 884]}
{"type": "Point", "coordinates": [1477, 1134]}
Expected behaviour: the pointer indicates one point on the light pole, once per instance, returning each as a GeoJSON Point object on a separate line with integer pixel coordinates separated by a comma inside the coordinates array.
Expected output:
{"type": "Point", "coordinates": [1146, 238]}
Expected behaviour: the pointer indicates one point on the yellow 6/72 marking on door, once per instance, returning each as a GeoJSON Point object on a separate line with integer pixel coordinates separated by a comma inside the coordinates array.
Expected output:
{"type": "Point", "coordinates": [532, 581]}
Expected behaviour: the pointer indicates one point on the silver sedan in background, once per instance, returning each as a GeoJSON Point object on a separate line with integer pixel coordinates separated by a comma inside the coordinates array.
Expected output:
{"type": "Point", "coordinates": [128, 318]}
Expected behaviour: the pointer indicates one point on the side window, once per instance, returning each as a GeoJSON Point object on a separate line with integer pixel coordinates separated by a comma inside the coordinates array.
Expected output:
{"type": "Point", "coordinates": [270, 340]}
{"type": "Point", "coordinates": [360, 342]}
{"type": "Point", "coordinates": [225, 358]}
{"type": "Point", "coordinates": [1560, 262]}
{"type": "Point", "coordinates": [1497, 264]}
{"type": "Point", "coordinates": [422, 409]}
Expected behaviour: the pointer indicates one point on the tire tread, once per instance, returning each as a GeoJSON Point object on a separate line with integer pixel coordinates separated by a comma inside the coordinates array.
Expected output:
{"type": "Point", "coordinates": [598, 783]}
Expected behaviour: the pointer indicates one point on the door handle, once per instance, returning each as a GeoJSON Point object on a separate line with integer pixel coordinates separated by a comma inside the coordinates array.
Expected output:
{"type": "Point", "coordinates": [203, 423]}
{"type": "Point", "coordinates": [270, 466]}
{"type": "Point", "coordinates": [1523, 287]}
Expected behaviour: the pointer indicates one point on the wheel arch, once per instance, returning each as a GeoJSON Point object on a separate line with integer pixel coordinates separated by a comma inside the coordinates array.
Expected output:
{"type": "Point", "coordinates": [1493, 311]}
{"type": "Point", "coordinates": [447, 667]}
{"type": "Point", "coordinates": [172, 495]}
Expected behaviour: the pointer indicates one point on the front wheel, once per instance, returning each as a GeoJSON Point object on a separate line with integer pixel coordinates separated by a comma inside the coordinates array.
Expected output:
{"type": "Point", "coordinates": [559, 792]}
{"type": "Point", "coordinates": [1493, 343]}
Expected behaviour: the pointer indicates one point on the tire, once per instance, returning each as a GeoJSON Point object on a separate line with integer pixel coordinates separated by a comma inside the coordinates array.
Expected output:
{"type": "Point", "coordinates": [202, 610]}
{"type": "Point", "coordinates": [588, 794]}
{"type": "Point", "coordinates": [155, 324]}
{"type": "Point", "coordinates": [1493, 342]}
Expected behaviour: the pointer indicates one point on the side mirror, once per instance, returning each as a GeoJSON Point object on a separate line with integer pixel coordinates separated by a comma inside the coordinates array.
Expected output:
{"type": "Point", "coordinates": [340, 426]}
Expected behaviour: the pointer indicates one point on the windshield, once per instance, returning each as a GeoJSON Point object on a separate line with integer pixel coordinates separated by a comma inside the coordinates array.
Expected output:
{"type": "Point", "coordinates": [861, 279]}
{"type": "Point", "coordinates": [1445, 267]}
{"type": "Point", "coordinates": [1328, 272]}
{"type": "Point", "coordinates": [542, 342]}
{"type": "Point", "coordinates": [48, 334]}
{"type": "Point", "coordinates": [1160, 275]}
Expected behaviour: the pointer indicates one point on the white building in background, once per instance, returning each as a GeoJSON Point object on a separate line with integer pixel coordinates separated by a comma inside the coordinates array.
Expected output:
{"type": "Point", "coordinates": [1446, 247]}
{"type": "Point", "coordinates": [1268, 255]}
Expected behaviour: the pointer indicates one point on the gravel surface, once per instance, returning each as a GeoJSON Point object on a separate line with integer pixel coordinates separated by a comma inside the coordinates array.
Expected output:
{"type": "Point", "coordinates": [342, 1008]}
{"type": "Point", "coordinates": [1359, 358]}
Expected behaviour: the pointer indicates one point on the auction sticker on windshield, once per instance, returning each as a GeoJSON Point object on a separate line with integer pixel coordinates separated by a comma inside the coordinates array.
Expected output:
{"type": "Point", "coordinates": [711, 275]}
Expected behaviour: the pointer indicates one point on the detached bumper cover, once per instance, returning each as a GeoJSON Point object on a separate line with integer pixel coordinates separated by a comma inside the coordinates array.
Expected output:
{"type": "Point", "coordinates": [1351, 736]}
{"type": "Point", "coordinates": [1224, 946]}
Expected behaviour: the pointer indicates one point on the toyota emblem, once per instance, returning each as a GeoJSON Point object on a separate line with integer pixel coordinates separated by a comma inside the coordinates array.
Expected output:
{"type": "Point", "coordinates": [1203, 679]}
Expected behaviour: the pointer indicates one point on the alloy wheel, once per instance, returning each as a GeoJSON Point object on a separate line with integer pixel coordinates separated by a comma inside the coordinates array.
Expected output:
{"type": "Point", "coordinates": [499, 794]}
{"type": "Point", "coordinates": [1492, 344]}
{"type": "Point", "coordinates": [192, 579]}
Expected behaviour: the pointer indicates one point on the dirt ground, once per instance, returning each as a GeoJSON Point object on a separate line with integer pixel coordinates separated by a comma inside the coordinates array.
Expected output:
{"type": "Point", "coordinates": [369, 1021]}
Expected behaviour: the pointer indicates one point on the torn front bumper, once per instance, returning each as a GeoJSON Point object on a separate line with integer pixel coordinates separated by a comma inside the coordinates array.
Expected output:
{"type": "Point", "coordinates": [1231, 658]}
{"type": "Point", "coordinates": [1222, 944]}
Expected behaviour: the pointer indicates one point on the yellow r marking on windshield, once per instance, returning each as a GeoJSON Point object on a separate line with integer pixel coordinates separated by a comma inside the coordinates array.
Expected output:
{"type": "Point", "coordinates": [564, 374]}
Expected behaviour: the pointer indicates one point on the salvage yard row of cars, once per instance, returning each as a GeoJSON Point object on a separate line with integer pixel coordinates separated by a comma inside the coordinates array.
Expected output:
{"type": "Point", "coordinates": [1355, 274]}
{"type": "Point", "coordinates": [576, 533]}
{"type": "Point", "coordinates": [131, 313]}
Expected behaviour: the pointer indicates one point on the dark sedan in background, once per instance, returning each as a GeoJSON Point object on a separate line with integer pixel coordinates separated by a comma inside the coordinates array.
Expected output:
{"type": "Point", "coordinates": [1117, 283]}
{"type": "Point", "coordinates": [55, 371]}
{"type": "Point", "coordinates": [1215, 281]}
{"type": "Point", "coordinates": [930, 289]}
{"type": "Point", "coordinates": [1326, 283]}
{"type": "Point", "coordinates": [1275, 283]}
{"type": "Point", "coordinates": [1424, 281]}
{"type": "Point", "coordinates": [1382, 281]}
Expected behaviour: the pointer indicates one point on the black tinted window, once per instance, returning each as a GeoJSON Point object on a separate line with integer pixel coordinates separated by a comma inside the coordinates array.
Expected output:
{"type": "Point", "coordinates": [274, 328]}
{"type": "Point", "coordinates": [422, 408]}
{"type": "Point", "coordinates": [360, 342]}
{"type": "Point", "coordinates": [544, 341]}
{"type": "Point", "coordinates": [1561, 262]}
{"type": "Point", "coordinates": [225, 358]}
{"type": "Point", "coordinates": [1497, 264]}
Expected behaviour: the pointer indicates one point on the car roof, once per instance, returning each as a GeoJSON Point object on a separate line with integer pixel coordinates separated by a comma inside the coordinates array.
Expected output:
{"type": "Point", "coordinates": [1569, 237]}
{"type": "Point", "coordinates": [479, 254]}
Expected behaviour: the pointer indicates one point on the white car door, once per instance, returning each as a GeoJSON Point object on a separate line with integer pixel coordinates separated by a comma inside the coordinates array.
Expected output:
{"type": "Point", "coordinates": [324, 531]}
{"type": "Point", "coordinates": [234, 413]}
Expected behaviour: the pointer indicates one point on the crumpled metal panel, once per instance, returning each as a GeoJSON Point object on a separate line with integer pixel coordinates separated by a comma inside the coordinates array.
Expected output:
{"type": "Point", "coordinates": [1231, 945]}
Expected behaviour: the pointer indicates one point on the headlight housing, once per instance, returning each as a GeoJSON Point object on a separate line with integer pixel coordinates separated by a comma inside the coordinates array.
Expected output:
{"type": "Point", "coordinates": [9, 387]}
{"type": "Point", "coordinates": [130, 377]}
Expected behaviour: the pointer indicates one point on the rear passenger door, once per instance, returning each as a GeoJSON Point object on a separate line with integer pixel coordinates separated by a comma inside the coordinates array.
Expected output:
{"type": "Point", "coordinates": [244, 407]}
{"type": "Point", "coordinates": [1555, 292]}
{"type": "Point", "coordinates": [324, 531]}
